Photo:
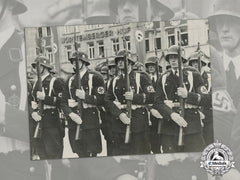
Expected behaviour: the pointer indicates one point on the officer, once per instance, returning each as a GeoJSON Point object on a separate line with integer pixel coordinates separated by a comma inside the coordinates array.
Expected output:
{"type": "Point", "coordinates": [140, 95]}
{"type": "Point", "coordinates": [151, 68]}
{"type": "Point", "coordinates": [91, 95]}
{"type": "Point", "coordinates": [50, 144]}
{"type": "Point", "coordinates": [205, 73]}
{"type": "Point", "coordinates": [14, 134]}
{"type": "Point", "coordinates": [225, 22]}
{"type": "Point", "coordinates": [167, 103]}
{"type": "Point", "coordinates": [134, 11]}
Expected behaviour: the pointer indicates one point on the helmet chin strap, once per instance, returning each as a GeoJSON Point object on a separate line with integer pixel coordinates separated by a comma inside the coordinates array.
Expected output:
{"type": "Point", "coordinates": [3, 9]}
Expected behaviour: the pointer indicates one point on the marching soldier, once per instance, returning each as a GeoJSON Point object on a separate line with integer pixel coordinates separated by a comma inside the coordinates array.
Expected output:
{"type": "Point", "coordinates": [167, 103]}
{"type": "Point", "coordinates": [155, 117]}
{"type": "Point", "coordinates": [50, 144]}
{"type": "Point", "coordinates": [140, 95]}
{"type": "Point", "coordinates": [91, 95]}
{"type": "Point", "coordinates": [205, 73]}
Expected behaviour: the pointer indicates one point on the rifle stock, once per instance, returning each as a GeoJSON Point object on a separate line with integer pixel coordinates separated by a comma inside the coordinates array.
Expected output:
{"type": "Point", "coordinates": [181, 100]}
{"type": "Point", "coordinates": [78, 135]}
{"type": "Point", "coordinates": [37, 132]}
{"type": "Point", "coordinates": [129, 103]}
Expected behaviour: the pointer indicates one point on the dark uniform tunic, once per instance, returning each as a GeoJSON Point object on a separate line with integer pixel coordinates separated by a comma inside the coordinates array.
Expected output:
{"type": "Point", "coordinates": [207, 111]}
{"type": "Point", "coordinates": [167, 90]}
{"type": "Point", "coordinates": [154, 136]}
{"type": "Point", "coordinates": [94, 96]}
{"type": "Point", "coordinates": [16, 163]}
{"type": "Point", "coordinates": [50, 145]}
{"type": "Point", "coordinates": [116, 104]}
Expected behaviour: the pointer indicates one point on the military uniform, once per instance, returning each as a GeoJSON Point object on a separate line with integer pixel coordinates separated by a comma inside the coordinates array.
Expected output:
{"type": "Point", "coordinates": [93, 85]}
{"type": "Point", "coordinates": [14, 134]}
{"type": "Point", "coordinates": [116, 104]}
{"type": "Point", "coordinates": [167, 102]}
{"type": "Point", "coordinates": [207, 111]}
{"type": "Point", "coordinates": [154, 136]}
{"type": "Point", "coordinates": [50, 144]}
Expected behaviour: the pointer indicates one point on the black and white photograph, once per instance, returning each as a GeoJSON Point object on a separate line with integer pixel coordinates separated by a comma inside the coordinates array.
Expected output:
{"type": "Point", "coordinates": [119, 89]}
{"type": "Point", "coordinates": [14, 129]}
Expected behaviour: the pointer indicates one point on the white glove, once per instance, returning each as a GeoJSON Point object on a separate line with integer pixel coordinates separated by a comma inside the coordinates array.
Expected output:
{"type": "Point", "coordinates": [34, 105]}
{"type": "Point", "coordinates": [41, 95]}
{"type": "Point", "coordinates": [123, 117]}
{"type": "Point", "coordinates": [178, 119]}
{"type": "Point", "coordinates": [129, 95]}
{"type": "Point", "coordinates": [2, 107]}
{"type": "Point", "coordinates": [182, 92]}
{"type": "Point", "coordinates": [169, 103]}
{"type": "Point", "coordinates": [76, 118]}
{"type": "Point", "coordinates": [36, 116]}
{"type": "Point", "coordinates": [156, 114]}
{"type": "Point", "coordinates": [80, 93]}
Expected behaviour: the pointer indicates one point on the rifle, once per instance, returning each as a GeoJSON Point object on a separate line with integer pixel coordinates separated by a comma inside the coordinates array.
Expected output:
{"type": "Point", "coordinates": [78, 134]}
{"type": "Point", "coordinates": [37, 132]}
{"type": "Point", "coordinates": [129, 103]}
{"type": "Point", "coordinates": [199, 58]}
{"type": "Point", "coordinates": [157, 71]}
{"type": "Point", "coordinates": [181, 100]}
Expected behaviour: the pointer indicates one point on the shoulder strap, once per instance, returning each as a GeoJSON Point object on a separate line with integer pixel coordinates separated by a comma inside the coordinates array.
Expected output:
{"type": "Point", "coordinates": [190, 79]}
{"type": "Point", "coordinates": [113, 86]}
{"type": "Point", "coordinates": [51, 85]}
{"type": "Point", "coordinates": [164, 77]}
{"type": "Point", "coordinates": [69, 86]}
{"type": "Point", "coordinates": [138, 81]}
{"type": "Point", "coordinates": [90, 83]}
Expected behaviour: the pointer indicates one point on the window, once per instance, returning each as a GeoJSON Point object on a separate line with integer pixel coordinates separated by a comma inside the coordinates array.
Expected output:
{"type": "Point", "coordinates": [128, 43]}
{"type": "Point", "coordinates": [101, 49]}
{"type": "Point", "coordinates": [49, 31]}
{"type": "Point", "coordinates": [91, 50]}
{"type": "Point", "coordinates": [147, 45]}
{"type": "Point", "coordinates": [115, 46]}
{"type": "Point", "coordinates": [158, 43]}
{"type": "Point", "coordinates": [184, 36]}
{"type": "Point", "coordinates": [171, 37]}
{"type": "Point", "coordinates": [40, 33]}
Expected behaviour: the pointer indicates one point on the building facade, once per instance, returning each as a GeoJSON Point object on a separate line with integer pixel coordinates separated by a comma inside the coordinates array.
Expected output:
{"type": "Point", "coordinates": [102, 42]}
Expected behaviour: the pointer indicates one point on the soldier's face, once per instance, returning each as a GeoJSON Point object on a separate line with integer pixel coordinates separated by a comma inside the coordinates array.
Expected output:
{"type": "Point", "coordinates": [173, 60]}
{"type": "Point", "coordinates": [80, 64]}
{"type": "Point", "coordinates": [120, 64]}
{"type": "Point", "coordinates": [128, 10]}
{"type": "Point", "coordinates": [151, 68]}
{"type": "Point", "coordinates": [195, 64]}
{"type": "Point", "coordinates": [228, 29]}
{"type": "Point", "coordinates": [112, 70]}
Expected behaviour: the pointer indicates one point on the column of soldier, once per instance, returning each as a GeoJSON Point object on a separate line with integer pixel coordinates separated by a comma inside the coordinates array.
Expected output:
{"type": "Point", "coordinates": [121, 97]}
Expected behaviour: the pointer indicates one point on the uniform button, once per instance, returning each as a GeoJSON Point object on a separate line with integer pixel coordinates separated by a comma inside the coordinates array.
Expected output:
{"type": "Point", "coordinates": [123, 88]}
{"type": "Point", "coordinates": [93, 112]}
{"type": "Point", "coordinates": [165, 84]}
{"type": "Point", "coordinates": [52, 112]}
{"type": "Point", "coordinates": [195, 112]}
{"type": "Point", "coordinates": [13, 87]}
{"type": "Point", "coordinates": [32, 169]}
{"type": "Point", "coordinates": [143, 112]}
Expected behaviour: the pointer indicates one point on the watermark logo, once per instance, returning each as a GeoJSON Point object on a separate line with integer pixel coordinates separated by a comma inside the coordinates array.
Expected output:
{"type": "Point", "coordinates": [217, 159]}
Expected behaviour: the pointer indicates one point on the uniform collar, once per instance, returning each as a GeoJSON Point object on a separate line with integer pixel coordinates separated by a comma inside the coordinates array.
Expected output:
{"type": "Point", "coordinates": [44, 76]}
{"type": "Point", "coordinates": [5, 35]}
{"type": "Point", "coordinates": [236, 63]}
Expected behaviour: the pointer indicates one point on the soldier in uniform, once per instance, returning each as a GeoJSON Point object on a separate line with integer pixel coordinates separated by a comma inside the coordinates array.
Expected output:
{"type": "Point", "coordinates": [205, 73]}
{"type": "Point", "coordinates": [141, 94]}
{"type": "Point", "coordinates": [225, 22]}
{"type": "Point", "coordinates": [167, 103]}
{"type": "Point", "coordinates": [155, 117]}
{"type": "Point", "coordinates": [50, 144]}
{"type": "Point", "coordinates": [14, 135]}
{"type": "Point", "coordinates": [140, 10]}
{"type": "Point", "coordinates": [92, 95]}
